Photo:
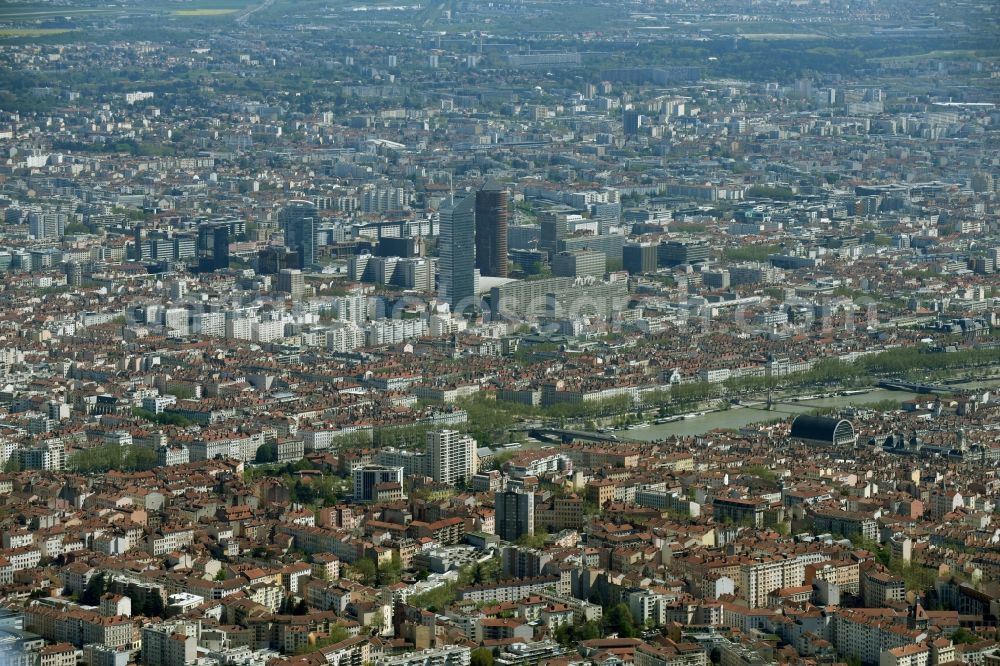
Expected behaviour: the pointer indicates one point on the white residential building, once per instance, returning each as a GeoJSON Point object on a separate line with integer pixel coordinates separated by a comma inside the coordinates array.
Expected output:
{"type": "Point", "coordinates": [452, 456]}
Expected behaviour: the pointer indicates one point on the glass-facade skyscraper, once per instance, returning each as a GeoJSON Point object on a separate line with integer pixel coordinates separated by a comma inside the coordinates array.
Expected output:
{"type": "Point", "coordinates": [457, 265]}
{"type": "Point", "coordinates": [213, 247]}
{"type": "Point", "coordinates": [298, 222]}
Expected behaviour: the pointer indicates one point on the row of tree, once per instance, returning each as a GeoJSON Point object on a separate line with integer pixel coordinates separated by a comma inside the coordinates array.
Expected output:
{"type": "Point", "coordinates": [147, 602]}
{"type": "Point", "coordinates": [113, 457]}
{"type": "Point", "coordinates": [617, 619]}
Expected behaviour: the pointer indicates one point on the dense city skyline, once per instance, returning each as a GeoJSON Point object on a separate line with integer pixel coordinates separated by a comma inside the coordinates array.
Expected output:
{"type": "Point", "coordinates": [509, 333]}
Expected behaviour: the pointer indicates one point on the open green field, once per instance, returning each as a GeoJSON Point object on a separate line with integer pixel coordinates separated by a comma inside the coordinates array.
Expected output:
{"type": "Point", "coordinates": [763, 36]}
{"type": "Point", "coordinates": [936, 55]}
{"type": "Point", "coordinates": [13, 11]}
{"type": "Point", "coordinates": [32, 32]}
{"type": "Point", "coordinates": [28, 12]}
{"type": "Point", "coordinates": [204, 12]}
{"type": "Point", "coordinates": [199, 7]}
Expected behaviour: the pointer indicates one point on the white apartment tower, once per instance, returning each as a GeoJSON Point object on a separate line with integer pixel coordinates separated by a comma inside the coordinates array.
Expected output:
{"type": "Point", "coordinates": [452, 456]}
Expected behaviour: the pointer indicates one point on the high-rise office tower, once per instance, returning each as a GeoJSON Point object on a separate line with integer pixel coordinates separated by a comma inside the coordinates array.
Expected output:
{"type": "Point", "coordinates": [291, 281]}
{"type": "Point", "coordinates": [272, 260]}
{"type": "Point", "coordinates": [457, 266]}
{"type": "Point", "coordinates": [299, 221]}
{"type": "Point", "coordinates": [631, 122]}
{"type": "Point", "coordinates": [554, 227]}
{"type": "Point", "coordinates": [213, 247]}
{"type": "Point", "coordinates": [491, 230]}
{"type": "Point", "coordinates": [452, 456]}
{"type": "Point", "coordinates": [74, 273]}
{"type": "Point", "coordinates": [640, 257]}
{"type": "Point", "coordinates": [138, 240]}
{"type": "Point", "coordinates": [515, 514]}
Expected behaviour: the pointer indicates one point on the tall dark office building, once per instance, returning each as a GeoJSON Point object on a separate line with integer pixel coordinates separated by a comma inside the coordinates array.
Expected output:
{"type": "Point", "coordinates": [273, 259]}
{"type": "Point", "coordinates": [631, 122]}
{"type": "Point", "coordinates": [407, 247]}
{"type": "Point", "coordinates": [639, 257]}
{"type": "Point", "coordinates": [554, 227]}
{"type": "Point", "coordinates": [74, 273]}
{"type": "Point", "coordinates": [213, 247]}
{"type": "Point", "coordinates": [515, 514]}
{"type": "Point", "coordinates": [138, 236]}
{"type": "Point", "coordinates": [457, 264]}
{"type": "Point", "coordinates": [299, 220]}
{"type": "Point", "coordinates": [491, 230]}
{"type": "Point", "coordinates": [674, 253]}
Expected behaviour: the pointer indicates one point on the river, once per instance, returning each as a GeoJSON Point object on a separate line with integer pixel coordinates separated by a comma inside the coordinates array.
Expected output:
{"type": "Point", "coordinates": [737, 417]}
